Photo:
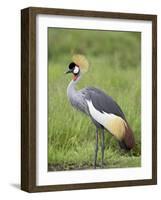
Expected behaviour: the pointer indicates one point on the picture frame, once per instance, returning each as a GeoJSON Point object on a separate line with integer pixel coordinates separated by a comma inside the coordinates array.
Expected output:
{"type": "Point", "coordinates": [29, 96]}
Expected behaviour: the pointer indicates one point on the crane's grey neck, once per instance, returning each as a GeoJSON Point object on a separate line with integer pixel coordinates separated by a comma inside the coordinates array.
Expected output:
{"type": "Point", "coordinates": [71, 90]}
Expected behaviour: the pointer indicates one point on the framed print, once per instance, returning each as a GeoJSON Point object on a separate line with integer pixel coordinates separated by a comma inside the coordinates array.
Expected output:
{"type": "Point", "coordinates": [88, 99]}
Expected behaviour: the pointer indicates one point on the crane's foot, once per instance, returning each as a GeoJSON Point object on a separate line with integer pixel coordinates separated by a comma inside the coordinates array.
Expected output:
{"type": "Point", "coordinates": [95, 158]}
{"type": "Point", "coordinates": [103, 165]}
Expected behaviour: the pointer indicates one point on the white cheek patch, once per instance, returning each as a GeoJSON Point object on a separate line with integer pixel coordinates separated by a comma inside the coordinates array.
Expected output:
{"type": "Point", "coordinates": [76, 70]}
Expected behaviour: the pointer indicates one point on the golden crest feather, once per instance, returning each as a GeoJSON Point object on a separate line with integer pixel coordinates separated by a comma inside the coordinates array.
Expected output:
{"type": "Point", "coordinates": [81, 61]}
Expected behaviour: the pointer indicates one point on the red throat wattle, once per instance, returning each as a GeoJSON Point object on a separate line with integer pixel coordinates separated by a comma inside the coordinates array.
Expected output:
{"type": "Point", "coordinates": [75, 77]}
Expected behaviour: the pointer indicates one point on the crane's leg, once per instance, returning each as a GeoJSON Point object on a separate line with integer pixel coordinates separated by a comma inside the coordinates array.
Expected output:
{"type": "Point", "coordinates": [103, 146]}
{"type": "Point", "coordinates": [96, 149]}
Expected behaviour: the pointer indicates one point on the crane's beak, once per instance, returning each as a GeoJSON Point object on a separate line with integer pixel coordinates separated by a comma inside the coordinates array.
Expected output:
{"type": "Point", "coordinates": [69, 71]}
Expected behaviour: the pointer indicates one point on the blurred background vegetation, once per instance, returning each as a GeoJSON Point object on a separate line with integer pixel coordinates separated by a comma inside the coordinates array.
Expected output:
{"type": "Point", "coordinates": [115, 67]}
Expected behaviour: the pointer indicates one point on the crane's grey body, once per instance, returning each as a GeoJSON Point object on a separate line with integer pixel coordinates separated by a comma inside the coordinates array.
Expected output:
{"type": "Point", "coordinates": [101, 102]}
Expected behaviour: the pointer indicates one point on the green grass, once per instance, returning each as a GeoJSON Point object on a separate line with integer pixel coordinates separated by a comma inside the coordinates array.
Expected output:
{"type": "Point", "coordinates": [115, 68]}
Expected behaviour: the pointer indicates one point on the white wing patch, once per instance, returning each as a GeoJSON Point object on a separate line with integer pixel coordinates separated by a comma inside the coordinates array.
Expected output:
{"type": "Point", "coordinates": [101, 118]}
{"type": "Point", "coordinates": [113, 123]}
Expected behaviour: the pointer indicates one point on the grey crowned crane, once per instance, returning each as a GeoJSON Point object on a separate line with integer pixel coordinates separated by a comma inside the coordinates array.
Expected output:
{"type": "Point", "coordinates": [101, 108]}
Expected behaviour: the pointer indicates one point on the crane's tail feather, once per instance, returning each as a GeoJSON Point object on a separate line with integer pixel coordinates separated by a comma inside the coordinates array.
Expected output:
{"type": "Point", "coordinates": [123, 133]}
{"type": "Point", "coordinates": [128, 140]}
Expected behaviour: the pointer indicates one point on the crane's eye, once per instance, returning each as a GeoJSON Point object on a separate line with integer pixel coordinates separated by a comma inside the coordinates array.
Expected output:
{"type": "Point", "coordinates": [76, 70]}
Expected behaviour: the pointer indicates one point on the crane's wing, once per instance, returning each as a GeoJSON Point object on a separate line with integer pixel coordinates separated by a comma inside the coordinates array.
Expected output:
{"type": "Point", "coordinates": [106, 112]}
{"type": "Point", "coordinates": [101, 101]}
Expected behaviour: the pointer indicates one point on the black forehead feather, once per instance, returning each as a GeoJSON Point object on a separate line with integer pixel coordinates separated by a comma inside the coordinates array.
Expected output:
{"type": "Point", "coordinates": [72, 65]}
